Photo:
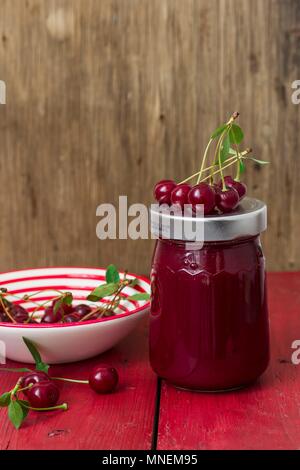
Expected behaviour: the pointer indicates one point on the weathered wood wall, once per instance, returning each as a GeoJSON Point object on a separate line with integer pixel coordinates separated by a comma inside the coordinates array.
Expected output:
{"type": "Point", "coordinates": [105, 97]}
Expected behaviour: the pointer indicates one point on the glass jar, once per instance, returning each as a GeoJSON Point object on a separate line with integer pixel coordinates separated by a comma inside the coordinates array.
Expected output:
{"type": "Point", "coordinates": [209, 318]}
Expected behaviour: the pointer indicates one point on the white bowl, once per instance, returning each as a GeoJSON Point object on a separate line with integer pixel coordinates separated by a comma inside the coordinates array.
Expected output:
{"type": "Point", "coordinates": [61, 343]}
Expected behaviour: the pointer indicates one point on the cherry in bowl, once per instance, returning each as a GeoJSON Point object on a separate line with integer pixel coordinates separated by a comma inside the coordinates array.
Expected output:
{"type": "Point", "coordinates": [50, 316]}
{"type": "Point", "coordinates": [82, 310]}
{"type": "Point", "coordinates": [65, 307]}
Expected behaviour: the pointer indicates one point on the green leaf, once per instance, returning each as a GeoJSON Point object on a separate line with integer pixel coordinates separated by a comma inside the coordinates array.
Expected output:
{"type": "Point", "coordinates": [5, 399]}
{"type": "Point", "coordinates": [68, 298]}
{"type": "Point", "coordinates": [112, 274]}
{"type": "Point", "coordinates": [93, 298]}
{"type": "Point", "coordinates": [134, 282]}
{"type": "Point", "coordinates": [140, 296]}
{"type": "Point", "coordinates": [25, 405]}
{"type": "Point", "coordinates": [103, 291]}
{"type": "Point", "coordinates": [242, 166]}
{"type": "Point", "coordinates": [260, 162]}
{"type": "Point", "coordinates": [225, 149]}
{"type": "Point", "coordinates": [218, 131]}
{"type": "Point", "coordinates": [33, 350]}
{"type": "Point", "coordinates": [23, 402]}
{"type": "Point", "coordinates": [39, 364]}
{"type": "Point", "coordinates": [25, 412]}
{"type": "Point", "coordinates": [42, 366]}
{"type": "Point", "coordinates": [15, 414]}
{"type": "Point", "coordinates": [232, 151]}
{"type": "Point", "coordinates": [236, 134]}
{"type": "Point", "coordinates": [58, 303]}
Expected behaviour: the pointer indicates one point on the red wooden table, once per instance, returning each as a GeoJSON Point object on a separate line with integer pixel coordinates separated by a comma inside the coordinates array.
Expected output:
{"type": "Point", "coordinates": [145, 414]}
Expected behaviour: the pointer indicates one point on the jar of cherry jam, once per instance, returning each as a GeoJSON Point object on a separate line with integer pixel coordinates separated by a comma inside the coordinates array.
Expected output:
{"type": "Point", "coordinates": [209, 326]}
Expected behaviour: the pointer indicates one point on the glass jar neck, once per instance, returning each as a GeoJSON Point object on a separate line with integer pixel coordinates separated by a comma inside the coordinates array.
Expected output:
{"type": "Point", "coordinates": [236, 241]}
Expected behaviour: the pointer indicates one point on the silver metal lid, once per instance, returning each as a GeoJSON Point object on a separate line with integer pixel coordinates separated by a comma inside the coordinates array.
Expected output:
{"type": "Point", "coordinates": [249, 219]}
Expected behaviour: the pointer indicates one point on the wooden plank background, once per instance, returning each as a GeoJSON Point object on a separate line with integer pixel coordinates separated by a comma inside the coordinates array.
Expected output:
{"type": "Point", "coordinates": [105, 97]}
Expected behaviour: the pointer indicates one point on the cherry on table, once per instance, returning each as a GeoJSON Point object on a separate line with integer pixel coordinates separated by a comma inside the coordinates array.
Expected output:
{"type": "Point", "coordinates": [43, 395]}
{"type": "Point", "coordinates": [162, 191]}
{"type": "Point", "coordinates": [238, 185]}
{"type": "Point", "coordinates": [33, 378]}
{"type": "Point", "coordinates": [103, 379]}
{"type": "Point", "coordinates": [204, 194]}
{"type": "Point", "coordinates": [227, 200]}
{"type": "Point", "coordinates": [82, 310]}
{"type": "Point", "coordinates": [180, 193]}
{"type": "Point", "coordinates": [52, 317]}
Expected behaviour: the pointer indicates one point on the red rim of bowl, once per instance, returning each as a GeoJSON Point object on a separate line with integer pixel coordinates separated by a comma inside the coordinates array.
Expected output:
{"type": "Point", "coordinates": [89, 322]}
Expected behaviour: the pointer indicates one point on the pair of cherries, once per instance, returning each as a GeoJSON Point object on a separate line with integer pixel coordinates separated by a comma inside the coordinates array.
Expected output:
{"type": "Point", "coordinates": [42, 392]}
{"type": "Point", "coordinates": [65, 313]}
{"type": "Point", "coordinates": [211, 196]}
{"type": "Point", "coordinates": [17, 312]}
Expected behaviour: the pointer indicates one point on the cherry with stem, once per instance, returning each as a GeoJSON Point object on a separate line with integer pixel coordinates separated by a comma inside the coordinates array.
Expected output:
{"type": "Point", "coordinates": [6, 310]}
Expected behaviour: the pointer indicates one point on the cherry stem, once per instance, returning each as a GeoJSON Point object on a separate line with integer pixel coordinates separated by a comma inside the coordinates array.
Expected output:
{"type": "Point", "coordinates": [205, 169]}
{"type": "Point", "coordinates": [114, 299]}
{"type": "Point", "coordinates": [40, 306]}
{"type": "Point", "coordinates": [218, 171]}
{"type": "Point", "coordinates": [218, 152]}
{"type": "Point", "coordinates": [229, 123]}
{"type": "Point", "coordinates": [25, 388]}
{"type": "Point", "coordinates": [28, 296]}
{"type": "Point", "coordinates": [91, 314]}
{"type": "Point", "coordinates": [16, 387]}
{"type": "Point", "coordinates": [110, 304]}
{"type": "Point", "coordinates": [203, 161]}
{"type": "Point", "coordinates": [232, 159]}
{"type": "Point", "coordinates": [63, 379]}
{"type": "Point", "coordinates": [64, 407]}
{"type": "Point", "coordinates": [232, 118]}
{"type": "Point", "coordinates": [18, 297]}
{"type": "Point", "coordinates": [238, 168]}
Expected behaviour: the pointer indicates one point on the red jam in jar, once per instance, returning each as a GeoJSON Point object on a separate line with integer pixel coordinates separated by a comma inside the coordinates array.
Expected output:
{"type": "Point", "coordinates": [209, 318]}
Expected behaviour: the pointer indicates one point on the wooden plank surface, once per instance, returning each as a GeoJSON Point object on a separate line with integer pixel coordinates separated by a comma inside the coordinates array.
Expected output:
{"type": "Point", "coordinates": [122, 420]}
{"type": "Point", "coordinates": [264, 416]}
{"type": "Point", "coordinates": [107, 97]}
